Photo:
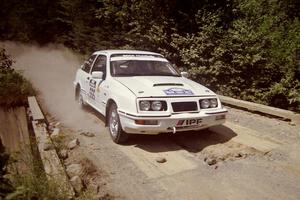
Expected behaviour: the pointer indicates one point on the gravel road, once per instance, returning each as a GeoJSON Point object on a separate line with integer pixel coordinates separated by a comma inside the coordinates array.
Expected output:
{"type": "Point", "coordinates": [250, 157]}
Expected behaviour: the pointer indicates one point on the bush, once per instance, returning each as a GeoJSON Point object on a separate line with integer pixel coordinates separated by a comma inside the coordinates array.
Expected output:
{"type": "Point", "coordinates": [14, 88]}
{"type": "Point", "coordinates": [5, 61]}
{"type": "Point", "coordinates": [255, 59]}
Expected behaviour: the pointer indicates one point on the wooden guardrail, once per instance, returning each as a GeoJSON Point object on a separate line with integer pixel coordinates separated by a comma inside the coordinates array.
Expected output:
{"type": "Point", "coordinates": [36, 112]}
{"type": "Point", "coordinates": [295, 117]}
{"type": "Point", "coordinates": [52, 164]}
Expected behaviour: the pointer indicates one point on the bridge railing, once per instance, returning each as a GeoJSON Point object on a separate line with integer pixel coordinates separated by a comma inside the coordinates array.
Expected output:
{"type": "Point", "coordinates": [286, 114]}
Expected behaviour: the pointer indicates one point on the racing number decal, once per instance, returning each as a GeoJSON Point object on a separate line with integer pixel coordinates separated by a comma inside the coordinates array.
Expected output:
{"type": "Point", "coordinates": [92, 89]}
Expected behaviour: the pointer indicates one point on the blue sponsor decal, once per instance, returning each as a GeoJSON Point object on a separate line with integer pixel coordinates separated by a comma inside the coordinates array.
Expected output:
{"type": "Point", "coordinates": [178, 91]}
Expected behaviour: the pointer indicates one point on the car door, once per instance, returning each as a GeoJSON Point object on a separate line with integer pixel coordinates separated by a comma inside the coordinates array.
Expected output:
{"type": "Point", "coordinates": [97, 92]}
{"type": "Point", "coordinates": [85, 77]}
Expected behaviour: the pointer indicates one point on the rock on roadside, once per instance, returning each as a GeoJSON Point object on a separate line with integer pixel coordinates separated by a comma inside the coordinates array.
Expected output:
{"type": "Point", "coordinates": [87, 134]}
{"type": "Point", "coordinates": [292, 123]}
{"type": "Point", "coordinates": [161, 160]}
{"type": "Point", "coordinates": [55, 132]}
{"type": "Point", "coordinates": [73, 143]}
{"type": "Point", "coordinates": [74, 170]}
{"type": "Point", "coordinates": [57, 124]}
{"type": "Point", "coordinates": [210, 161]}
{"type": "Point", "coordinates": [48, 146]}
{"type": "Point", "coordinates": [76, 182]}
{"type": "Point", "coordinates": [63, 154]}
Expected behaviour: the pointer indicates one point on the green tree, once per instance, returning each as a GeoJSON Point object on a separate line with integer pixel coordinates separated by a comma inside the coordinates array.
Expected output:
{"type": "Point", "coordinates": [260, 51]}
{"type": "Point", "coordinates": [254, 58]}
{"type": "Point", "coordinates": [246, 49]}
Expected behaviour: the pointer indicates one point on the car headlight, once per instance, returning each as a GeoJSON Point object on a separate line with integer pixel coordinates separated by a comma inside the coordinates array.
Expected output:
{"type": "Point", "coordinates": [205, 103]}
{"type": "Point", "coordinates": [145, 105]}
{"type": "Point", "coordinates": [213, 103]}
{"type": "Point", "coordinates": [156, 105]}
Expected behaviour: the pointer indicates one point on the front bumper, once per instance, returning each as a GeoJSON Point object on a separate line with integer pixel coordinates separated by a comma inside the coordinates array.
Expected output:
{"type": "Point", "coordinates": [173, 123]}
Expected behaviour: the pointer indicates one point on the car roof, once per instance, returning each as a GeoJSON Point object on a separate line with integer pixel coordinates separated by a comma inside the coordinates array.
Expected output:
{"type": "Point", "coordinates": [127, 52]}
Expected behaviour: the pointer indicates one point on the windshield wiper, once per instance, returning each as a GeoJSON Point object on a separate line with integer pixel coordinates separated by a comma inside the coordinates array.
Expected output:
{"type": "Point", "coordinates": [159, 74]}
{"type": "Point", "coordinates": [128, 75]}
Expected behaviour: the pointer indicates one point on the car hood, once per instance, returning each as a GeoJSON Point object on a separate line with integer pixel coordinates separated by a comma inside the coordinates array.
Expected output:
{"type": "Point", "coordinates": [163, 86]}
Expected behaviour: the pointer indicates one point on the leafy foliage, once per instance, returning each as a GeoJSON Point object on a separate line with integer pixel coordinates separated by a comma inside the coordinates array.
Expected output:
{"type": "Point", "coordinates": [5, 62]}
{"type": "Point", "coordinates": [247, 49]}
{"type": "Point", "coordinates": [260, 51]}
{"type": "Point", "coordinates": [14, 88]}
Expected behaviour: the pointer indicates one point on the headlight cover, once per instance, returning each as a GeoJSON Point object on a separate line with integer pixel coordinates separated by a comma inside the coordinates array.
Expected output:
{"type": "Point", "coordinates": [208, 103]}
{"type": "Point", "coordinates": [156, 105]}
{"type": "Point", "coordinates": [213, 103]}
{"type": "Point", "coordinates": [205, 103]}
{"type": "Point", "coordinates": [145, 105]}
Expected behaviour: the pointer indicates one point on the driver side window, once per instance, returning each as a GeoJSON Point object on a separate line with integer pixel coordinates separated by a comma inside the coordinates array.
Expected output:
{"type": "Point", "coordinates": [100, 65]}
{"type": "Point", "coordinates": [88, 64]}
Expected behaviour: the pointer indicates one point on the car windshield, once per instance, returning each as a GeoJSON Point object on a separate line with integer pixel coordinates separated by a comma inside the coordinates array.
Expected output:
{"type": "Point", "coordinates": [142, 68]}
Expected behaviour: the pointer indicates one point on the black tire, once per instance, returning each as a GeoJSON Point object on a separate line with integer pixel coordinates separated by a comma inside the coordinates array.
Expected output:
{"type": "Point", "coordinates": [115, 129]}
{"type": "Point", "coordinates": [80, 100]}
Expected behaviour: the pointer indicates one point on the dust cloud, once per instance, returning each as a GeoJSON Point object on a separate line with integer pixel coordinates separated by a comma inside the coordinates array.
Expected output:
{"type": "Point", "coordinates": [52, 70]}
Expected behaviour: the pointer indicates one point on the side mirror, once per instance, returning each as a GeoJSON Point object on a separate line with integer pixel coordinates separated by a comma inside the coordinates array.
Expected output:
{"type": "Point", "coordinates": [97, 75]}
{"type": "Point", "coordinates": [184, 74]}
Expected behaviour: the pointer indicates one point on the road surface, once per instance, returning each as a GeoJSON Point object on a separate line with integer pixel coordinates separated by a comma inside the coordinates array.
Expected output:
{"type": "Point", "coordinates": [250, 157]}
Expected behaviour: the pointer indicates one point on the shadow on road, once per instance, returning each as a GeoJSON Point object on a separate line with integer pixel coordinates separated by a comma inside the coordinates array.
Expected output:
{"type": "Point", "coordinates": [192, 141]}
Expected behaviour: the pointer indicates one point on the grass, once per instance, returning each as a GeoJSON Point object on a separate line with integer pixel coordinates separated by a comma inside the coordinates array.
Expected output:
{"type": "Point", "coordinates": [29, 179]}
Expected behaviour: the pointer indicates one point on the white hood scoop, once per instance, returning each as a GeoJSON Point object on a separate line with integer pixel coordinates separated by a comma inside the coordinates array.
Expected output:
{"type": "Point", "coordinates": [167, 84]}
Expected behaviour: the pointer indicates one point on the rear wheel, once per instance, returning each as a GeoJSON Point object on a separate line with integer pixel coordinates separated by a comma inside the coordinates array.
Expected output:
{"type": "Point", "coordinates": [115, 129]}
{"type": "Point", "coordinates": [80, 99]}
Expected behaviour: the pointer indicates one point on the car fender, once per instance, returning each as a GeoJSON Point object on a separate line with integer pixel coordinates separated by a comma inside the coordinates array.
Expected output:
{"type": "Point", "coordinates": [122, 96]}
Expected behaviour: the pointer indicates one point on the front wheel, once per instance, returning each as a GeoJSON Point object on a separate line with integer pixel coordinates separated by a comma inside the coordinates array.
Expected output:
{"type": "Point", "coordinates": [114, 125]}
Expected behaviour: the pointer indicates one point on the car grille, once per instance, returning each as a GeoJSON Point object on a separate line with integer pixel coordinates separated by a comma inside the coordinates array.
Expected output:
{"type": "Point", "coordinates": [184, 106]}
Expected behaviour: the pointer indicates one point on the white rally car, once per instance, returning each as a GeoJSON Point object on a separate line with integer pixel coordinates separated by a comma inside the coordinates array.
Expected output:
{"type": "Point", "coordinates": [140, 92]}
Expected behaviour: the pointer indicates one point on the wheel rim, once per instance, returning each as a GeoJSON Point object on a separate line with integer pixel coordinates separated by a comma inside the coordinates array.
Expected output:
{"type": "Point", "coordinates": [114, 123]}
